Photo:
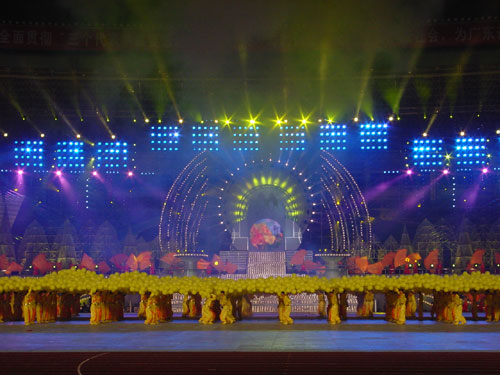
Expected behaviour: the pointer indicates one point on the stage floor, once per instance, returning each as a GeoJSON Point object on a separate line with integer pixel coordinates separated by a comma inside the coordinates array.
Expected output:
{"type": "Point", "coordinates": [258, 334]}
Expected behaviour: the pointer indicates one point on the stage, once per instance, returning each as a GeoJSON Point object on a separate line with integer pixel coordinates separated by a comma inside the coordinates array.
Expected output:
{"type": "Point", "coordinates": [260, 344]}
{"type": "Point", "coordinates": [257, 334]}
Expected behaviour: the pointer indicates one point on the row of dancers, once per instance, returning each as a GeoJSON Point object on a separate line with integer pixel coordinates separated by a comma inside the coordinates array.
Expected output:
{"type": "Point", "coordinates": [38, 306]}
{"type": "Point", "coordinates": [106, 307]}
{"type": "Point", "coordinates": [49, 306]}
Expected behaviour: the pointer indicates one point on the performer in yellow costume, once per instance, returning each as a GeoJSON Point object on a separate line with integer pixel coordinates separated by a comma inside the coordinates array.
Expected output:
{"type": "Point", "coordinates": [333, 308]}
{"type": "Point", "coordinates": [281, 305]}
{"type": "Point", "coordinates": [142, 305]}
{"type": "Point", "coordinates": [96, 308]}
{"type": "Point", "coordinates": [246, 306]}
{"type": "Point", "coordinates": [192, 312]}
{"type": "Point", "coordinates": [286, 308]}
{"type": "Point", "coordinates": [226, 313]}
{"type": "Point", "coordinates": [106, 307]}
{"type": "Point", "coordinates": [185, 305]}
{"type": "Point", "coordinates": [321, 304]}
{"type": "Point", "coordinates": [29, 308]}
{"type": "Point", "coordinates": [400, 308]}
{"type": "Point", "coordinates": [448, 308]}
{"type": "Point", "coordinates": [207, 311]}
{"type": "Point", "coordinates": [366, 309]}
{"type": "Point", "coordinates": [457, 315]}
{"type": "Point", "coordinates": [152, 310]}
{"type": "Point", "coordinates": [411, 305]}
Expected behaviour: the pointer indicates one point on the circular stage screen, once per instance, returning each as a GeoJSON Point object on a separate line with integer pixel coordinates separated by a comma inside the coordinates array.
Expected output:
{"type": "Point", "coordinates": [266, 234]}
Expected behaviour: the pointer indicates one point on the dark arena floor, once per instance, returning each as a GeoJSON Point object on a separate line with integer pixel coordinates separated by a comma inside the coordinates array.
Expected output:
{"type": "Point", "coordinates": [257, 345]}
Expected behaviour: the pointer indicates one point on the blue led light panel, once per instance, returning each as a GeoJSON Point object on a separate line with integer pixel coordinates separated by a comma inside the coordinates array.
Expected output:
{"type": "Point", "coordinates": [293, 138]}
{"type": "Point", "coordinates": [373, 136]}
{"type": "Point", "coordinates": [69, 156]}
{"type": "Point", "coordinates": [29, 154]}
{"type": "Point", "coordinates": [112, 157]}
{"type": "Point", "coordinates": [471, 152]}
{"type": "Point", "coordinates": [205, 137]}
{"type": "Point", "coordinates": [246, 138]}
{"type": "Point", "coordinates": [164, 138]}
{"type": "Point", "coordinates": [333, 137]}
{"type": "Point", "coordinates": [427, 154]}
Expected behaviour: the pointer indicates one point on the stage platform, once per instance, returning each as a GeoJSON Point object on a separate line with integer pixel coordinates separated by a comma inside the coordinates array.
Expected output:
{"type": "Point", "coordinates": [258, 334]}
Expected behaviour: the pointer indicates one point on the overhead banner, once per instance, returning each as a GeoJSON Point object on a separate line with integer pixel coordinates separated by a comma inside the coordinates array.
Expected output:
{"type": "Point", "coordinates": [77, 38]}
{"type": "Point", "coordinates": [461, 34]}
{"type": "Point", "coordinates": [99, 38]}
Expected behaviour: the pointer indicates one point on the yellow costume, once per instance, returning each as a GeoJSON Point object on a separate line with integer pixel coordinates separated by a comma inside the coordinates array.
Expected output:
{"type": "Point", "coordinates": [29, 308]}
{"type": "Point", "coordinates": [192, 312]}
{"type": "Point", "coordinates": [390, 306]}
{"type": "Point", "coordinates": [96, 308]}
{"type": "Point", "coordinates": [246, 306]}
{"type": "Point", "coordinates": [333, 308]}
{"type": "Point", "coordinates": [185, 305]}
{"type": "Point", "coordinates": [400, 309]}
{"type": "Point", "coordinates": [226, 313]}
{"type": "Point", "coordinates": [448, 307]}
{"type": "Point", "coordinates": [152, 310]}
{"type": "Point", "coordinates": [366, 309]}
{"type": "Point", "coordinates": [321, 305]}
{"type": "Point", "coordinates": [458, 317]}
{"type": "Point", "coordinates": [411, 305]}
{"type": "Point", "coordinates": [142, 305]}
{"type": "Point", "coordinates": [207, 311]}
{"type": "Point", "coordinates": [286, 308]}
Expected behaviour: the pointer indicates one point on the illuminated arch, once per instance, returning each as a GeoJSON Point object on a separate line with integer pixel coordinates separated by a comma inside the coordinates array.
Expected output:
{"type": "Point", "coordinates": [184, 207]}
{"type": "Point", "coordinates": [345, 208]}
{"type": "Point", "coordinates": [277, 180]}
{"type": "Point", "coordinates": [204, 195]}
